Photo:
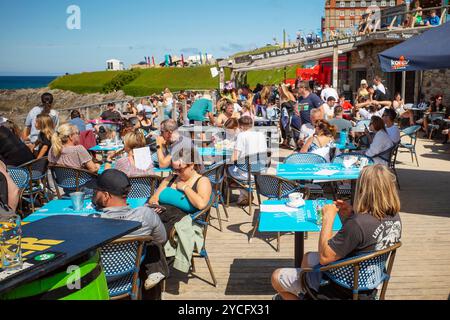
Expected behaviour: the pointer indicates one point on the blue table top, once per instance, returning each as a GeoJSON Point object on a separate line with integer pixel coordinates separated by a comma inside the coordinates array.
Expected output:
{"type": "Point", "coordinates": [99, 148]}
{"type": "Point", "coordinates": [64, 207]}
{"type": "Point", "coordinates": [304, 220]}
{"type": "Point", "coordinates": [212, 152]}
{"type": "Point", "coordinates": [309, 172]}
{"type": "Point", "coordinates": [155, 170]}
{"type": "Point", "coordinates": [348, 146]}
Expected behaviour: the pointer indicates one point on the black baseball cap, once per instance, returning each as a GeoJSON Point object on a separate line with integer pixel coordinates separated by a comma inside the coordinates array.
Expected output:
{"type": "Point", "coordinates": [112, 181]}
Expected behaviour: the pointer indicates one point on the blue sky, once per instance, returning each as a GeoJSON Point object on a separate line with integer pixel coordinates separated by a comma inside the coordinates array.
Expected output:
{"type": "Point", "coordinates": [35, 40]}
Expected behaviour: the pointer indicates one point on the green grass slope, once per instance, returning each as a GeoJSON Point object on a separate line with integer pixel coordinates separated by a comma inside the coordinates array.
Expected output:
{"type": "Point", "coordinates": [268, 77]}
{"type": "Point", "coordinates": [87, 82]}
{"type": "Point", "coordinates": [153, 81]}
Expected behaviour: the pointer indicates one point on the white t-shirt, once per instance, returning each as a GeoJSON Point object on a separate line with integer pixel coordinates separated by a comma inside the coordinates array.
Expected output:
{"type": "Point", "coordinates": [307, 131]}
{"type": "Point", "coordinates": [329, 112]}
{"type": "Point", "coordinates": [329, 92]}
{"type": "Point", "coordinates": [250, 143]}
{"type": "Point", "coordinates": [366, 115]}
{"type": "Point", "coordinates": [381, 88]}
{"type": "Point", "coordinates": [394, 133]}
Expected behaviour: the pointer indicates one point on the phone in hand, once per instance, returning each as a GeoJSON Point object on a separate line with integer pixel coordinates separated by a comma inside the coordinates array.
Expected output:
{"type": "Point", "coordinates": [158, 209]}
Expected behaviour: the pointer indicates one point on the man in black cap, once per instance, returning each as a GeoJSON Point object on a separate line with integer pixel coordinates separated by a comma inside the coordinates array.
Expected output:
{"type": "Point", "coordinates": [110, 197]}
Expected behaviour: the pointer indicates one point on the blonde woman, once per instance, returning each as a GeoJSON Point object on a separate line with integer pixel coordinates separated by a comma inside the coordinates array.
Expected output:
{"type": "Point", "coordinates": [261, 100]}
{"type": "Point", "coordinates": [127, 164]}
{"type": "Point", "coordinates": [372, 224]}
{"type": "Point", "coordinates": [67, 151]}
{"type": "Point", "coordinates": [46, 127]}
{"type": "Point", "coordinates": [363, 91]}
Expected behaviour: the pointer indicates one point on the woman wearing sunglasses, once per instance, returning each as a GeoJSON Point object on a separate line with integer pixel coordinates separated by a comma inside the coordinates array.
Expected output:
{"type": "Point", "coordinates": [184, 192]}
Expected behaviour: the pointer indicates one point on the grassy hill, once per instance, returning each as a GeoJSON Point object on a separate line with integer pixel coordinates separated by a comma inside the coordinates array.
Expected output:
{"type": "Point", "coordinates": [156, 80]}
{"type": "Point", "coordinates": [270, 76]}
{"type": "Point", "coordinates": [86, 82]}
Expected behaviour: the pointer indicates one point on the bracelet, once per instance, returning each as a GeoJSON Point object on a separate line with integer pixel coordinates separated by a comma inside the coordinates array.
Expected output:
{"type": "Point", "coordinates": [184, 188]}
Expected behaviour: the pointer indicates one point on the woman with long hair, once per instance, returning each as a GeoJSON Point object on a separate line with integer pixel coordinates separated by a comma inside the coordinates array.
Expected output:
{"type": "Point", "coordinates": [322, 141]}
{"type": "Point", "coordinates": [46, 127]}
{"type": "Point", "coordinates": [261, 100]}
{"type": "Point", "coordinates": [131, 108]}
{"type": "Point", "coordinates": [288, 105]}
{"type": "Point", "coordinates": [127, 164]}
{"type": "Point", "coordinates": [67, 151]}
{"type": "Point", "coordinates": [373, 223]}
{"type": "Point", "coordinates": [398, 105]}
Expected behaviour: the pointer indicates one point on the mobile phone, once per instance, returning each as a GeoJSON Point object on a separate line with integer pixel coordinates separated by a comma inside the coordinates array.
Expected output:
{"type": "Point", "coordinates": [155, 206]}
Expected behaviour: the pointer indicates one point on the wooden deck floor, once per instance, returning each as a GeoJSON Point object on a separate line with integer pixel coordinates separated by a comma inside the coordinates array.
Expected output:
{"type": "Point", "coordinates": [422, 266]}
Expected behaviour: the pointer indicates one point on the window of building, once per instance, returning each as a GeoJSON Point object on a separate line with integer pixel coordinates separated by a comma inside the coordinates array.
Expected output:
{"type": "Point", "coordinates": [342, 24]}
{"type": "Point", "coordinates": [373, 3]}
{"type": "Point", "coordinates": [392, 3]}
{"type": "Point", "coordinates": [353, 4]}
{"type": "Point", "coordinates": [342, 4]}
{"type": "Point", "coordinates": [383, 3]}
{"type": "Point", "coordinates": [363, 3]}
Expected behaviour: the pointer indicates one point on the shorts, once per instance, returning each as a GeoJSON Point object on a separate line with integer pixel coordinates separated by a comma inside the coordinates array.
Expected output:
{"type": "Point", "coordinates": [289, 279]}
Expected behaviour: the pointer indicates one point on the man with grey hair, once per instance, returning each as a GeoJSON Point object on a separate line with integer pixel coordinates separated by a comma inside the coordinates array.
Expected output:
{"type": "Point", "coordinates": [169, 142]}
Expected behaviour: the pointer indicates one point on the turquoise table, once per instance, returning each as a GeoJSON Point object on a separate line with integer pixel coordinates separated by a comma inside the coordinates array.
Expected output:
{"type": "Point", "coordinates": [300, 221]}
{"type": "Point", "coordinates": [110, 148]}
{"type": "Point", "coordinates": [64, 207]}
{"type": "Point", "coordinates": [308, 172]}
{"type": "Point", "coordinates": [348, 146]}
{"type": "Point", "coordinates": [155, 170]}
{"type": "Point", "coordinates": [213, 152]}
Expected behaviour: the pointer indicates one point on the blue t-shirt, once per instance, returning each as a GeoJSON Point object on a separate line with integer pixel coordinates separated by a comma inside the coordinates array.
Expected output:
{"type": "Point", "coordinates": [199, 109]}
{"type": "Point", "coordinates": [313, 102]}
{"type": "Point", "coordinates": [434, 21]}
{"type": "Point", "coordinates": [79, 123]}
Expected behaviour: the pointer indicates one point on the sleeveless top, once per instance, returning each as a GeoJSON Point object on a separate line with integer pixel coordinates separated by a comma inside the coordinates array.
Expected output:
{"type": "Point", "coordinates": [323, 151]}
{"type": "Point", "coordinates": [177, 198]}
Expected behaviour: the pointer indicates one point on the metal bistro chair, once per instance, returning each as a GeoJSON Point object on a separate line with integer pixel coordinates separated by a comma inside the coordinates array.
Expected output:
{"type": "Point", "coordinates": [21, 178]}
{"type": "Point", "coordinates": [144, 187]}
{"type": "Point", "coordinates": [216, 176]}
{"type": "Point", "coordinates": [434, 125]}
{"type": "Point", "coordinates": [202, 219]}
{"type": "Point", "coordinates": [357, 274]}
{"type": "Point", "coordinates": [411, 132]}
{"type": "Point", "coordinates": [273, 187]}
{"type": "Point", "coordinates": [121, 261]}
{"type": "Point", "coordinates": [345, 189]}
{"type": "Point", "coordinates": [249, 166]}
{"type": "Point", "coordinates": [390, 156]}
{"type": "Point", "coordinates": [71, 180]}
{"type": "Point", "coordinates": [308, 158]}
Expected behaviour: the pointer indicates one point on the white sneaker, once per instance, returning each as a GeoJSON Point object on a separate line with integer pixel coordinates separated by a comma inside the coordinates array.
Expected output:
{"type": "Point", "coordinates": [153, 280]}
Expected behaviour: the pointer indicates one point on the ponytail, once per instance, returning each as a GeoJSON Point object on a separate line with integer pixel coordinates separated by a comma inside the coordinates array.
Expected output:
{"type": "Point", "coordinates": [61, 137]}
{"type": "Point", "coordinates": [47, 102]}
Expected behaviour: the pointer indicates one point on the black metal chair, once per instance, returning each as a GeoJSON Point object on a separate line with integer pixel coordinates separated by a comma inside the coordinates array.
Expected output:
{"type": "Point", "coordinates": [273, 187]}
{"type": "Point", "coordinates": [71, 180]}
{"type": "Point", "coordinates": [390, 156]}
{"type": "Point", "coordinates": [216, 176]}
{"type": "Point", "coordinates": [144, 187]}
{"type": "Point", "coordinates": [241, 175]}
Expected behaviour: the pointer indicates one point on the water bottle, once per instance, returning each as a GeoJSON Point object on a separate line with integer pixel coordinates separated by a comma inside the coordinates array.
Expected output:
{"type": "Point", "coordinates": [344, 137]}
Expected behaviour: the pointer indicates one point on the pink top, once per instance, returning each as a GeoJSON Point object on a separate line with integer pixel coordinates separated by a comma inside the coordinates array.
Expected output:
{"type": "Point", "coordinates": [124, 164]}
{"type": "Point", "coordinates": [72, 156]}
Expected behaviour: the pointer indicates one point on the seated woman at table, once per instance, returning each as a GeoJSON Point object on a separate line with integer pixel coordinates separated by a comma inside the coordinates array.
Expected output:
{"type": "Point", "coordinates": [228, 113]}
{"type": "Point", "coordinates": [381, 142]}
{"type": "Point", "coordinates": [127, 164]}
{"type": "Point", "coordinates": [399, 106]}
{"type": "Point", "coordinates": [12, 191]}
{"type": "Point", "coordinates": [323, 140]}
{"type": "Point", "coordinates": [372, 224]}
{"type": "Point", "coordinates": [230, 134]}
{"type": "Point", "coordinates": [44, 124]}
{"type": "Point", "coordinates": [144, 123]}
{"type": "Point", "coordinates": [67, 151]}
{"type": "Point", "coordinates": [183, 192]}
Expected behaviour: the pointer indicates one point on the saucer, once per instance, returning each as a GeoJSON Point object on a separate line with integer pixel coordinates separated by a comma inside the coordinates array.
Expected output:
{"type": "Point", "coordinates": [295, 204]}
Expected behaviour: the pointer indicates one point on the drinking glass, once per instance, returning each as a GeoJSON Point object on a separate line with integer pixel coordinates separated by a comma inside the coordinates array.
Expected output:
{"type": "Point", "coordinates": [77, 200]}
{"type": "Point", "coordinates": [10, 242]}
{"type": "Point", "coordinates": [318, 206]}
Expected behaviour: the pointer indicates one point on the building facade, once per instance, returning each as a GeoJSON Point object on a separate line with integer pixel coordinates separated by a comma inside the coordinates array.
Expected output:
{"type": "Point", "coordinates": [344, 15]}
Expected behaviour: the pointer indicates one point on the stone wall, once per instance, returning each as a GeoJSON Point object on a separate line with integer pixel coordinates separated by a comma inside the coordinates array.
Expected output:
{"type": "Point", "coordinates": [437, 82]}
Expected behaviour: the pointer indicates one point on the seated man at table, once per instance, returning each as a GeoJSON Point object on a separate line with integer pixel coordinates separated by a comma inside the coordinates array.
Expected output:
{"type": "Point", "coordinates": [110, 197]}
{"type": "Point", "coordinates": [111, 114]}
{"type": "Point", "coordinates": [169, 142]}
{"type": "Point", "coordinates": [392, 130]}
{"type": "Point", "coordinates": [373, 224]}
{"type": "Point", "coordinates": [308, 129]}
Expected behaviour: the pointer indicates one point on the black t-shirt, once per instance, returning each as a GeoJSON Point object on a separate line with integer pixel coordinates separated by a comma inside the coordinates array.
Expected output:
{"type": "Point", "coordinates": [313, 102]}
{"type": "Point", "coordinates": [111, 115]}
{"type": "Point", "coordinates": [363, 233]}
{"type": "Point", "coordinates": [43, 141]}
{"type": "Point", "coordinates": [13, 152]}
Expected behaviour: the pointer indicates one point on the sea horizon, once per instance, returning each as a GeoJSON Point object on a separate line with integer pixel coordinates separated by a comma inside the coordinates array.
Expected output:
{"type": "Point", "coordinates": [25, 82]}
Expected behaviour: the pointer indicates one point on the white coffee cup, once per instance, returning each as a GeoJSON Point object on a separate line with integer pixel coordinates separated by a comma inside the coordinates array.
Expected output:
{"type": "Point", "coordinates": [296, 197]}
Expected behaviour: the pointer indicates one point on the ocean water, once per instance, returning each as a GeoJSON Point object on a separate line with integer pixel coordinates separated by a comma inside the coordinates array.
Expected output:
{"type": "Point", "coordinates": [25, 82]}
